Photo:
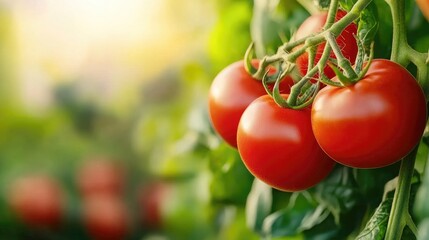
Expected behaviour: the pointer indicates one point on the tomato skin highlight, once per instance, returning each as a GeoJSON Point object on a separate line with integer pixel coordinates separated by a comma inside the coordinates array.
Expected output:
{"type": "Point", "coordinates": [232, 90]}
{"type": "Point", "coordinates": [373, 123]}
{"type": "Point", "coordinates": [277, 146]}
{"type": "Point", "coordinates": [346, 41]}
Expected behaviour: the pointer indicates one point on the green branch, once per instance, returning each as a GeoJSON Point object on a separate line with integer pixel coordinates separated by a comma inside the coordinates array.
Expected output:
{"type": "Point", "coordinates": [399, 211]}
{"type": "Point", "coordinates": [402, 53]}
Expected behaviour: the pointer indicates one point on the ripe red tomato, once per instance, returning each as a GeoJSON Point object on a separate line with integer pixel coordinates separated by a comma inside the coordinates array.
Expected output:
{"type": "Point", "coordinates": [277, 145]}
{"type": "Point", "coordinates": [37, 200]}
{"type": "Point", "coordinates": [345, 40]}
{"type": "Point", "coordinates": [151, 199]}
{"type": "Point", "coordinates": [105, 217]}
{"type": "Point", "coordinates": [374, 122]}
{"type": "Point", "coordinates": [100, 175]}
{"type": "Point", "coordinates": [231, 92]}
{"type": "Point", "coordinates": [424, 7]}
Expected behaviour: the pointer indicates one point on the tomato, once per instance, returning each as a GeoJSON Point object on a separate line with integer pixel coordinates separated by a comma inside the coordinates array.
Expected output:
{"type": "Point", "coordinates": [277, 145]}
{"type": "Point", "coordinates": [151, 199]}
{"type": "Point", "coordinates": [37, 200]}
{"type": "Point", "coordinates": [100, 175]}
{"type": "Point", "coordinates": [105, 217]}
{"type": "Point", "coordinates": [231, 92]}
{"type": "Point", "coordinates": [424, 7]}
{"type": "Point", "coordinates": [374, 122]}
{"type": "Point", "coordinates": [345, 40]}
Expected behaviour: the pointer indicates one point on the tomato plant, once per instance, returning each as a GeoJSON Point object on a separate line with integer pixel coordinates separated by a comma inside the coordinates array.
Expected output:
{"type": "Point", "coordinates": [371, 114]}
{"type": "Point", "coordinates": [231, 92]}
{"type": "Point", "coordinates": [346, 41]}
{"type": "Point", "coordinates": [277, 145]}
{"type": "Point", "coordinates": [385, 112]}
{"type": "Point", "coordinates": [38, 201]}
{"type": "Point", "coordinates": [100, 176]}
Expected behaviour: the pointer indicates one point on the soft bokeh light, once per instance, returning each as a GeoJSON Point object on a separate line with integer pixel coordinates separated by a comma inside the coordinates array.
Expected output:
{"type": "Point", "coordinates": [112, 44]}
{"type": "Point", "coordinates": [121, 83]}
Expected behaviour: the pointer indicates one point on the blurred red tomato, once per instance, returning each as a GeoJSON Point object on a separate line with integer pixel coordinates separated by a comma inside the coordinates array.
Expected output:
{"type": "Point", "coordinates": [100, 176]}
{"type": "Point", "coordinates": [151, 199]}
{"type": "Point", "coordinates": [424, 7]}
{"type": "Point", "coordinates": [105, 217]}
{"type": "Point", "coordinates": [38, 200]}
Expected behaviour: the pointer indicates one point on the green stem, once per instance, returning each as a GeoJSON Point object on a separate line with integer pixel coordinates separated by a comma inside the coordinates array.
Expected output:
{"type": "Point", "coordinates": [296, 88]}
{"type": "Point", "coordinates": [412, 225]}
{"type": "Point", "coordinates": [399, 210]}
{"type": "Point", "coordinates": [399, 37]}
{"type": "Point", "coordinates": [343, 62]}
{"type": "Point", "coordinates": [309, 42]}
{"type": "Point", "coordinates": [311, 56]}
{"type": "Point", "coordinates": [332, 12]}
{"type": "Point", "coordinates": [354, 13]}
{"type": "Point", "coordinates": [264, 63]}
{"type": "Point", "coordinates": [419, 59]}
{"type": "Point", "coordinates": [336, 29]}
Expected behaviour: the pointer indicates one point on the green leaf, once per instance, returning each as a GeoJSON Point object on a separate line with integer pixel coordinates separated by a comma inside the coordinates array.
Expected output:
{"type": "Point", "coordinates": [375, 24]}
{"type": "Point", "coordinates": [375, 228]}
{"type": "Point", "coordinates": [383, 38]}
{"type": "Point", "coordinates": [289, 221]}
{"type": "Point", "coordinates": [368, 26]}
{"type": "Point", "coordinates": [371, 182]}
{"type": "Point", "coordinates": [231, 181]}
{"type": "Point", "coordinates": [282, 223]}
{"type": "Point", "coordinates": [318, 216]}
{"type": "Point", "coordinates": [258, 205]}
{"type": "Point", "coordinates": [347, 4]}
{"type": "Point", "coordinates": [377, 225]}
{"type": "Point", "coordinates": [326, 230]}
{"type": "Point", "coordinates": [338, 192]}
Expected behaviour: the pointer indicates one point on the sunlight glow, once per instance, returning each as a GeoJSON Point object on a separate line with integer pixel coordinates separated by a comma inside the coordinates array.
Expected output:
{"type": "Point", "coordinates": [113, 44]}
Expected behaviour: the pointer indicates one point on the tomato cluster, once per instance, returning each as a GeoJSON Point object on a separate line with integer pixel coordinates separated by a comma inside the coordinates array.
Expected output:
{"type": "Point", "coordinates": [371, 123]}
{"type": "Point", "coordinates": [101, 184]}
{"type": "Point", "coordinates": [40, 201]}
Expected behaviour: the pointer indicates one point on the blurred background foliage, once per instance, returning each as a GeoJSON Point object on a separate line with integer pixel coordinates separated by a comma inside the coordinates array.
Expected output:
{"type": "Point", "coordinates": [121, 82]}
{"type": "Point", "coordinates": [125, 83]}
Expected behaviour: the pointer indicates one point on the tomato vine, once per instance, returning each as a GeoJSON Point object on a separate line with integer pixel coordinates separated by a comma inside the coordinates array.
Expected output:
{"type": "Point", "coordinates": [403, 54]}
{"type": "Point", "coordinates": [287, 55]}
{"type": "Point", "coordinates": [322, 50]}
